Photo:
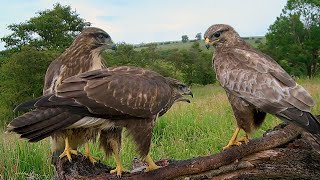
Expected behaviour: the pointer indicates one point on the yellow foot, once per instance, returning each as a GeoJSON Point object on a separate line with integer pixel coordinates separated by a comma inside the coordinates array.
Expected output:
{"type": "Point", "coordinates": [91, 158]}
{"type": "Point", "coordinates": [87, 154]}
{"type": "Point", "coordinates": [118, 170]}
{"type": "Point", "coordinates": [67, 152]}
{"type": "Point", "coordinates": [152, 167]}
{"type": "Point", "coordinates": [236, 143]}
{"type": "Point", "coordinates": [244, 139]}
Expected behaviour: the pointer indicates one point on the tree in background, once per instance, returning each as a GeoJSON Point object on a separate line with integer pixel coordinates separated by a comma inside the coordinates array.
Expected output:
{"type": "Point", "coordinates": [50, 29]}
{"type": "Point", "coordinates": [198, 36]}
{"type": "Point", "coordinates": [30, 49]}
{"type": "Point", "coordinates": [185, 38]}
{"type": "Point", "coordinates": [22, 78]}
{"type": "Point", "coordinates": [294, 38]}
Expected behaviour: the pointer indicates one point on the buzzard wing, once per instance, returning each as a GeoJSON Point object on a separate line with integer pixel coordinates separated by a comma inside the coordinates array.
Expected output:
{"type": "Point", "coordinates": [132, 91]}
{"type": "Point", "coordinates": [259, 80]}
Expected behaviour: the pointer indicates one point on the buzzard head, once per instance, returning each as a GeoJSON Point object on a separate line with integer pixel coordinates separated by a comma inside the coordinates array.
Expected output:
{"type": "Point", "coordinates": [95, 38]}
{"type": "Point", "coordinates": [179, 90]}
{"type": "Point", "coordinates": [219, 34]}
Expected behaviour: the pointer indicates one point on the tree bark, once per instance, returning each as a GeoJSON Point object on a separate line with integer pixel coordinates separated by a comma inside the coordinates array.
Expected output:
{"type": "Point", "coordinates": [286, 152]}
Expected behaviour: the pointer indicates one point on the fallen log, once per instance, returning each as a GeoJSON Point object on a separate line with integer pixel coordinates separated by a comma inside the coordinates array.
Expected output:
{"type": "Point", "coordinates": [286, 152]}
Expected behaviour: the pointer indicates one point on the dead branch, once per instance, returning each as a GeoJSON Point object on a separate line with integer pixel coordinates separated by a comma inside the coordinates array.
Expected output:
{"type": "Point", "coordinates": [285, 152]}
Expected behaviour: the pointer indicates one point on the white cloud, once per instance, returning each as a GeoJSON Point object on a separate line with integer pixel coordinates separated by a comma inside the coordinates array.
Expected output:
{"type": "Point", "coordinates": [162, 20]}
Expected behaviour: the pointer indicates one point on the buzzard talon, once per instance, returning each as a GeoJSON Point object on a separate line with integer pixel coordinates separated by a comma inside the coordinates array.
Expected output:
{"type": "Point", "coordinates": [87, 154]}
{"type": "Point", "coordinates": [151, 165]}
{"type": "Point", "coordinates": [244, 139]}
{"type": "Point", "coordinates": [116, 148]}
{"type": "Point", "coordinates": [119, 170]}
{"type": "Point", "coordinates": [233, 140]}
{"type": "Point", "coordinates": [68, 151]}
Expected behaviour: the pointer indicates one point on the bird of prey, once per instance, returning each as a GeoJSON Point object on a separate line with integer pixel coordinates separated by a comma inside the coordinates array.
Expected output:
{"type": "Point", "coordinates": [255, 85]}
{"type": "Point", "coordinates": [83, 55]}
{"type": "Point", "coordinates": [122, 97]}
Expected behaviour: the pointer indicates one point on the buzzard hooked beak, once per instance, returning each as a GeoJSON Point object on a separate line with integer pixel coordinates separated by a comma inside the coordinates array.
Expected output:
{"type": "Point", "coordinates": [209, 43]}
{"type": "Point", "coordinates": [189, 93]}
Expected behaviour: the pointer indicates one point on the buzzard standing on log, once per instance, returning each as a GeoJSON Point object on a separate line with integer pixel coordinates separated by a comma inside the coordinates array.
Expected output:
{"type": "Point", "coordinates": [122, 97]}
{"type": "Point", "coordinates": [255, 85]}
{"type": "Point", "coordinates": [84, 54]}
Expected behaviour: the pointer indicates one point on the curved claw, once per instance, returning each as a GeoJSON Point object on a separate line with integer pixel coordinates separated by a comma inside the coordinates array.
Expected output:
{"type": "Point", "coordinates": [236, 143]}
{"type": "Point", "coordinates": [92, 159]}
{"type": "Point", "coordinates": [151, 168]}
{"type": "Point", "coordinates": [67, 152]}
{"type": "Point", "coordinates": [87, 154]}
{"type": "Point", "coordinates": [244, 139]}
{"type": "Point", "coordinates": [119, 170]}
{"type": "Point", "coordinates": [151, 165]}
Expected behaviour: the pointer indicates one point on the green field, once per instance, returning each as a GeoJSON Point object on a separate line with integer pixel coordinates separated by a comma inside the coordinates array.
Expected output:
{"type": "Point", "coordinates": [254, 41]}
{"type": "Point", "coordinates": [187, 130]}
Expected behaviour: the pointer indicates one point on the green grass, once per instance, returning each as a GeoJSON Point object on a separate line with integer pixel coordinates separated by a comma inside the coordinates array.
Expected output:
{"type": "Point", "coordinates": [187, 45]}
{"type": "Point", "coordinates": [187, 130]}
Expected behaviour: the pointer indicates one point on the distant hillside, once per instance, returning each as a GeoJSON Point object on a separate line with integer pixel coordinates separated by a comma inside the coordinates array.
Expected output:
{"type": "Point", "coordinates": [254, 41]}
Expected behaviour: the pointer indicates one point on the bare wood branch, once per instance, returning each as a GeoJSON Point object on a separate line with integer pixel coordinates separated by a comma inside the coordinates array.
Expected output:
{"type": "Point", "coordinates": [272, 156]}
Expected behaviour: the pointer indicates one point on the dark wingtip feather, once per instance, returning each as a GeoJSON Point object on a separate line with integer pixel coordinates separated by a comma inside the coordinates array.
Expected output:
{"type": "Point", "coordinates": [26, 105]}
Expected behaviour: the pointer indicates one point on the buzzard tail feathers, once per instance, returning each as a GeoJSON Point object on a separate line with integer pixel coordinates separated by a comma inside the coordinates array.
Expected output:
{"type": "Point", "coordinates": [41, 123]}
{"type": "Point", "coordinates": [304, 119]}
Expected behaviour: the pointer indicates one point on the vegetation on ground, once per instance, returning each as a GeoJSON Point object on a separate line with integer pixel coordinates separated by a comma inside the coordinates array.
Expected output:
{"type": "Point", "coordinates": [187, 130]}
{"type": "Point", "coordinates": [200, 128]}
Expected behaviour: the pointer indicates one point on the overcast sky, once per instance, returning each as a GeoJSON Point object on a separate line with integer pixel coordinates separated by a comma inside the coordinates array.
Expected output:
{"type": "Point", "coordinates": [137, 21]}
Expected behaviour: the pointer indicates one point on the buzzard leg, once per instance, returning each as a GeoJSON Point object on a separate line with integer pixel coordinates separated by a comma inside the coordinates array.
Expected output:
{"type": "Point", "coordinates": [87, 154]}
{"type": "Point", "coordinates": [115, 148]}
{"type": "Point", "coordinates": [233, 140]}
{"type": "Point", "coordinates": [67, 150]}
{"type": "Point", "coordinates": [151, 164]}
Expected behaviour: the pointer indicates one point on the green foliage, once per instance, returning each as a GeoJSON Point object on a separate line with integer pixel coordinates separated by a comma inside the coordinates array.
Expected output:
{"type": "Point", "coordinates": [185, 38]}
{"type": "Point", "coordinates": [294, 38]}
{"type": "Point", "coordinates": [22, 78]}
{"type": "Point", "coordinates": [189, 65]}
{"type": "Point", "coordinates": [198, 36]}
{"type": "Point", "coordinates": [51, 29]}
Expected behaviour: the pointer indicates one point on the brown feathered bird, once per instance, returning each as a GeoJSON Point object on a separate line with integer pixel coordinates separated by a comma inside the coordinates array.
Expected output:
{"type": "Point", "coordinates": [255, 85]}
{"type": "Point", "coordinates": [122, 97]}
{"type": "Point", "coordinates": [84, 54]}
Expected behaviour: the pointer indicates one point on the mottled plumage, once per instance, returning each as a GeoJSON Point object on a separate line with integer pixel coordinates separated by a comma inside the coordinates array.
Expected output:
{"type": "Point", "coordinates": [84, 54]}
{"type": "Point", "coordinates": [256, 84]}
{"type": "Point", "coordinates": [122, 97]}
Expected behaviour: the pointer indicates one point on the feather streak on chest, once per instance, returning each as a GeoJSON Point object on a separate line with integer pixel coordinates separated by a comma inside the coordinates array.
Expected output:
{"type": "Point", "coordinates": [96, 62]}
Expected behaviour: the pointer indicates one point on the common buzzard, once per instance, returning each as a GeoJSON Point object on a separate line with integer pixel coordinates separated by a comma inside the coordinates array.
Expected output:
{"type": "Point", "coordinates": [84, 54]}
{"type": "Point", "coordinates": [256, 84]}
{"type": "Point", "coordinates": [125, 97]}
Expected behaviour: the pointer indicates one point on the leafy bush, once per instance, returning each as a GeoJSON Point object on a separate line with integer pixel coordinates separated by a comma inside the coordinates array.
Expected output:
{"type": "Point", "coordinates": [22, 78]}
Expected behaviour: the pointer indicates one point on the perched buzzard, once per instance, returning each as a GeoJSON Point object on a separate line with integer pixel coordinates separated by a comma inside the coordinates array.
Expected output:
{"type": "Point", "coordinates": [83, 55]}
{"type": "Point", "coordinates": [125, 97]}
{"type": "Point", "coordinates": [255, 85]}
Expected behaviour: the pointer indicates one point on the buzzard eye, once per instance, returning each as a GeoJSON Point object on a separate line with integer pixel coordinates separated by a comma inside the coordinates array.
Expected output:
{"type": "Point", "coordinates": [217, 34]}
{"type": "Point", "coordinates": [182, 87]}
{"type": "Point", "coordinates": [100, 36]}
